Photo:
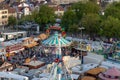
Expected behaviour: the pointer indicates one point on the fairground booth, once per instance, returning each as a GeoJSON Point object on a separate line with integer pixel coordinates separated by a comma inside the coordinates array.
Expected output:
{"type": "Point", "coordinates": [29, 42]}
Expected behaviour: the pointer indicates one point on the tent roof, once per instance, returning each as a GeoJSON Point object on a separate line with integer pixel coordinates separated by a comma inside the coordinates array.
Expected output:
{"type": "Point", "coordinates": [113, 72]}
{"type": "Point", "coordinates": [54, 41]}
{"type": "Point", "coordinates": [110, 74]}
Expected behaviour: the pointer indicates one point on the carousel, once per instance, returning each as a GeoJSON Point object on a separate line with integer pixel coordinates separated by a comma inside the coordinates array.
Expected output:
{"type": "Point", "coordinates": [58, 68]}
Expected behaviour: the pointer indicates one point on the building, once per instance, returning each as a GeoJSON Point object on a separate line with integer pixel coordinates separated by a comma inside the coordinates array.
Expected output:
{"type": "Point", "coordinates": [59, 10]}
{"type": "Point", "coordinates": [5, 12]}
{"type": "Point", "coordinates": [1, 1]}
{"type": "Point", "coordinates": [23, 9]}
{"type": "Point", "coordinates": [66, 1]}
{"type": "Point", "coordinates": [12, 12]}
{"type": "Point", "coordinates": [3, 16]}
{"type": "Point", "coordinates": [110, 1]}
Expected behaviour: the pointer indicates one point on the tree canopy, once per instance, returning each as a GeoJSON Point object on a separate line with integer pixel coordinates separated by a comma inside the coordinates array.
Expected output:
{"type": "Point", "coordinates": [12, 21]}
{"type": "Point", "coordinates": [113, 10]}
{"type": "Point", "coordinates": [45, 15]}
{"type": "Point", "coordinates": [110, 27]}
{"type": "Point", "coordinates": [69, 18]}
{"type": "Point", "coordinates": [73, 28]}
{"type": "Point", "coordinates": [91, 22]}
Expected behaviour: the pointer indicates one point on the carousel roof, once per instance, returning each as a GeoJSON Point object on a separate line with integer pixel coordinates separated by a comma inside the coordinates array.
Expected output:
{"type": "Point", "coordinates": [110, 74]}
{"type": "Point", "coordinates": [54, 41]}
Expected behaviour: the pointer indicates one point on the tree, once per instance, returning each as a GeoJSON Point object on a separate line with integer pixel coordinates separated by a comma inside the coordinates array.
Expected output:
{"type": "Point", "coordinates": [82, 9]}
{"type": "Point", "coordinates": [110, 27]}
{"type": "Point", "coordinates": [79, 9]}
{"type": "Point", "coordinates": [35, 14]}
{"type": "Point", "coordinates": [45, 15]}
{"type": "Point", "coordinates": [69, 18]}
{"type": "Point", "coordinates": [12, 21]}
{"type": "Point", "coordinates": [113, 10]}
{"type": "Point", "coordinates": [91, 22]}
{"type": "Point", "coordinates": [91, 7]}
{"type": "Point", "coordinates": [73, 28]}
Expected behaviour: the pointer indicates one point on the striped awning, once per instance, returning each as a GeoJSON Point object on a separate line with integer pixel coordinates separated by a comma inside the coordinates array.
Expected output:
{"type": "Point", "coordinates": [54, 41]}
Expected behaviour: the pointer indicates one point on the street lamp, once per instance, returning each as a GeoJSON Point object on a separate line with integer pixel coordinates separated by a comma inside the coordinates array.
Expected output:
{"type": "Point", "coordinates": [81, 28]}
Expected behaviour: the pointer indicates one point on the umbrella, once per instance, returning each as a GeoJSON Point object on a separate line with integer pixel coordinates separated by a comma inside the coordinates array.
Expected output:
{"type": "Point", "coordinates": [110, 74]}
{"type": "Point", "coordinates": [54, 41]}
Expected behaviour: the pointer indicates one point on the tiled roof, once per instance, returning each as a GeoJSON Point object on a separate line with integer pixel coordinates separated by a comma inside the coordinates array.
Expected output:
{"type": "Point", "coordinates": [11, 10]}
{"type": "Point", "coordinates": [60, 8]}
{"type": "Point", "coordinates": [21, 8]}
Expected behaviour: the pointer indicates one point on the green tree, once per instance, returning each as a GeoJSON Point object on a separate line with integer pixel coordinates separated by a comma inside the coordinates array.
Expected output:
{"type": "Point", "coordinates": [45, 15]}
{"type": "Point", "coordinates": [110, 27]}
{"type": "Point", "coordinates": [79, 9]}
{"type": "Point", "coordinates": [83, 8]}
{"type": "Point", "coordinates": [91, 22]}
{"type": "Point", "coordinates": [12, 21]}
{"type": "Point", "coordinates": [113, 10]}
{"type": "Point", "coordinates": [35, 15]}
{"type": "Point", "coordinates": [69, 18]}
{"type": "Point", "coordinates": [94, 1]}
{"type": "Point", "coordinates": [73, 28]}
{"type": "Point", "coordinates": [91, 7]}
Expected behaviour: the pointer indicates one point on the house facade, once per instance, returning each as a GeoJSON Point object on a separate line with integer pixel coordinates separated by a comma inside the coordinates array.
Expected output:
{"type": "Point", "coordinates": [66, 1]}
{"type": "Point", "coordinates": [59, 10]}
{"type": "Point", "coordinates": [23, 9]}
{"type": "Point", "coordinates": [110, 1]}
{"type": "Point", "coordinates": [1, 1]}
{"type": "Point", "coordinates": [3, 16]}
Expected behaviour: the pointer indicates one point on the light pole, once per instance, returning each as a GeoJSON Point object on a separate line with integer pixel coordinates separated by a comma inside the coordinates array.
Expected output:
{"type": "Point", "coordinates": [81, 28]}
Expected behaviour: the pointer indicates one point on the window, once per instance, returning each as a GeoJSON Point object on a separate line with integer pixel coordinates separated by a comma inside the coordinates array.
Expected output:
{"type": "Point", "coordinates": [5, 12]}
{"type": "Point", "coordinates": [2, 12]}
{"type": "Point", "coordinates": [4, 16]}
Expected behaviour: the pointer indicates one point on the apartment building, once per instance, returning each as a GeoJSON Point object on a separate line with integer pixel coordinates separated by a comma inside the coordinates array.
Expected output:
{"type": "Point", "coordinates": [1, 1]}
{"type": "Point", "coordinates": [110, 1]}
{"type": "Point", "coordinates": [5, 12]}
{"type": "Point", "coordinates": [12, 12]}
{"type": "Point", "coordinates": [66, 1]}
{"type": "Point", "coordinates": [3, 16]}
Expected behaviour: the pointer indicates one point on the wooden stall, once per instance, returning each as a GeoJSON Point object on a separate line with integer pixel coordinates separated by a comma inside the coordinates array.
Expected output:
{"type": "Point", "coordinates": [14, 48]}
{"type": "Point", "coordinates": [29, 42]}
{"type": "Point", "coordinates": [88, 78]}
{"type": "Point", "coordinates": [11, 47]}
{"type": "Point", "coordinates": [95, 71]}
{"type": "Point", "coordinates": [34, 64]}
{"type": "Point", "coordinates": [2, 53]}
{"type": "Point", "coordinates": [5, 66]}
{"type": "Point", "coordinates": [82, 52]}
{"type": "Point", "coordinates": [43, 36]}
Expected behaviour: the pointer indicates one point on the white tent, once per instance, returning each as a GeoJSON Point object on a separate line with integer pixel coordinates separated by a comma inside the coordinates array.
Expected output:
{"type": "Point", "coordinates": [10, 75]}
{"type": "Point", "coordinates": [93, 58]}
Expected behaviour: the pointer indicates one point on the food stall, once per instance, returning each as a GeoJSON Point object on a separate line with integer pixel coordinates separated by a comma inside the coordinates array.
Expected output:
{"type": "Point", "coordinates": [29, 42]}
{"type": "Point", "coordinates": [95, 71]}
{"type": "Point", "coordinates": [5, 66]}
{"type": "Point", "coordinates": [11, 47]}
{"type": "Point", "coordinates": [2, 53]}
{"type": "Point", "coordinates": [34, 64]}
{"type": "Point", "coordinates": [42, 36]}
{"type": "Point", "coordinates": [14, 48]}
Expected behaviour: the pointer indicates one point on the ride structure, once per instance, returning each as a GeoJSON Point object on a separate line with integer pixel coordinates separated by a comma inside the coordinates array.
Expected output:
{"type": "Point", "coordinates": [58, 69]}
